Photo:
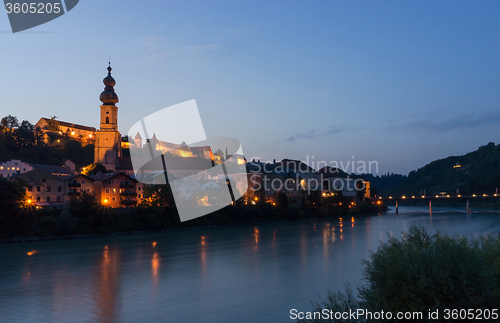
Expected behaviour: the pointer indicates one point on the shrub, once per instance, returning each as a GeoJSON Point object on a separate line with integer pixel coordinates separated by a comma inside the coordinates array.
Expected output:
{"type": "Point", "coordinates": [420, 272]}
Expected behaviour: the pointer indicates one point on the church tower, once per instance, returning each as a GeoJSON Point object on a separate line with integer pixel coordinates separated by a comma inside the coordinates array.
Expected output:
{"type": "Point", "coordinates": [108, 139]}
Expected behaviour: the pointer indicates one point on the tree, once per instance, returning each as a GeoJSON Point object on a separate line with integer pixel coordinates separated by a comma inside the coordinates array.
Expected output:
{"type": "Point", "coordinates": [25, 135]}
{"type": "Point", "coordinates": [10, 122]}
{"type": "Point", "coordinates": [12, 197]}
{"type": "Point", "coordinates": [84, 205]}
{"type": "Point", "coordinates": [282, 201]}
{"type": "Point", "coordinates": [53, 124]}
{"type": "Point", "coordinates": [93, 169]}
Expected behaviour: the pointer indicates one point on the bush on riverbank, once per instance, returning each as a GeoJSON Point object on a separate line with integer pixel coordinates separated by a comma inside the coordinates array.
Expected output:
{"type": "Point", "coordinates": [420, 272]}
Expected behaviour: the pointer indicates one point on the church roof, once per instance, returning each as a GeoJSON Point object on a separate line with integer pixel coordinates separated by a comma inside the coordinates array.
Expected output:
{"type": "Point", "coordinates": [108, 96]}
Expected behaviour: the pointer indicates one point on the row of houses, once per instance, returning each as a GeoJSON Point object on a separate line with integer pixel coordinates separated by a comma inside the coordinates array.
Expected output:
{"type": "Point", "coordinates": [294, 177]}
{"type": "Point", "coordinates": [54, 186]}
{"type": "Point", "coordinates": [49, 186]}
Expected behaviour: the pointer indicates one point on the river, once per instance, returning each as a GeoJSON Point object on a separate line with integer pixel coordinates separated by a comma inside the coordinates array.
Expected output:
{"type": "Point", "coordinates": [229, 274]}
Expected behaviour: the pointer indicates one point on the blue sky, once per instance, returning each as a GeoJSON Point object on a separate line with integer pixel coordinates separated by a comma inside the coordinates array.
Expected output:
{"type": "Point", "coordinates": [398, 82]}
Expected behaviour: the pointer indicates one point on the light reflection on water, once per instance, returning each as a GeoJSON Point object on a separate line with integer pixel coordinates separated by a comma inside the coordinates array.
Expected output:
{"type": "Point", "coordinates": [232, 274]}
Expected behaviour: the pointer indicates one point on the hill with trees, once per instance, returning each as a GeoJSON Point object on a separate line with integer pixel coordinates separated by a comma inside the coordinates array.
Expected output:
{"type": "Point", "coordinates": [477, 172]}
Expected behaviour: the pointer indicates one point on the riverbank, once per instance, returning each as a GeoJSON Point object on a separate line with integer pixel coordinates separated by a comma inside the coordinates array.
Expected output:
{"type": "Point", "coordinates": [44, 225]}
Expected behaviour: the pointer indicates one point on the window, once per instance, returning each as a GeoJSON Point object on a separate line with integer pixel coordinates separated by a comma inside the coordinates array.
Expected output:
{"type": "Point", "coordinates": [114, 190]}
{"type": "Point", "coordinates": [113, 199]}
{"type": "Point", "coordinates": [30, 188]}
{"type": "Point", "coordinates": [121, 182]}
{"type": "Point", "coordinates": [43, 180]}
{"type": "Point", "coordinates": [107, 190]}
{"type": "Point", "coordinates": [48, 198]}
{"type": "Point", "coordinates": [38, 188]}
{"type": "Point", "coordinates": [48, 188]}
{"type": "Point", "coordinates": [139, 188]}
{"type": "Point", "coordinates": [59, 189]}
{"type": "Point", "coordinates": [139, 195]}
{"type": "Point", "coordinates": [38, 198]}
{"type": "Point", "coordinates": [58, 199]}
{"type": "Point", "coordinates": [107, 112]}
{"type": "Point", "coordinates": [109, 182]}
{"type": "Point", "coordinates": [107, 120]}
{"type": "Point", "coordinates": [88, 190]}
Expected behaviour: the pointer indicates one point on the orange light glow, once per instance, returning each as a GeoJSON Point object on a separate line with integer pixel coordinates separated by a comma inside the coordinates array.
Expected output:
{"type": "Point", "coordinates": [32, 252]}
{"type": "Point", "coordinates": [155, 264]}
{"type": "Point", "coordinates": [105, 200]}
{"type": "Point", "coordinates": [256, 198]}
{"type": "Point", "coordinates": [378, 202]}
{"type": "Point", "coordinates": [154, 243]}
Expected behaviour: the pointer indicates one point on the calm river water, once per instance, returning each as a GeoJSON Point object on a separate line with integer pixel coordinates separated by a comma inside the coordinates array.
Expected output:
{"type": "Point", "coordinates": [230, 274]}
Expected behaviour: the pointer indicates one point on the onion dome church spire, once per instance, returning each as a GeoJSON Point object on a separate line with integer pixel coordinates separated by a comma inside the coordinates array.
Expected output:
{"type": "Point", "coordinates": [108, 96]}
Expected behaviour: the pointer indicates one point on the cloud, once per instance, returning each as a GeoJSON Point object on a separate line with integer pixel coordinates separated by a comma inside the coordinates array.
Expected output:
{"type": "Point", "coordinates": [159, 47]}
{"type": "Point", "coordinates": [314, 133]}
{"type": "Point", "coordinates": [463, 121]}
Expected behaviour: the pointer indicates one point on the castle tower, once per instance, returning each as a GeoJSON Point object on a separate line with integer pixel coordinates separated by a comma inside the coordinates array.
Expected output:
{"type": "Point", "coordinates": [108, 139]}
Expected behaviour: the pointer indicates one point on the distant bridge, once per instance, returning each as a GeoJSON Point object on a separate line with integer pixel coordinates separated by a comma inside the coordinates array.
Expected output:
{"type": "Point", "coordinates": [430, 198]}
{"type": "Point", "coordinates": [436, 197]}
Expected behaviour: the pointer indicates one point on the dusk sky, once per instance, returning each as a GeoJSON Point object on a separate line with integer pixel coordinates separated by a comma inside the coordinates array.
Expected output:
{"type": "Point", "coordinates": [398, 82]}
